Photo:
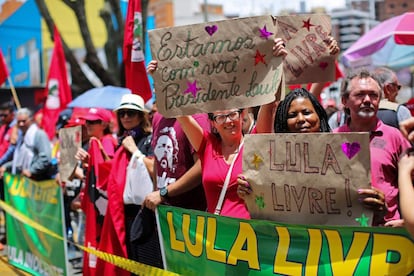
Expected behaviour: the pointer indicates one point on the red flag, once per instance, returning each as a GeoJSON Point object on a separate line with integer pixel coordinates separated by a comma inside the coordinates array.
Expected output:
{"type": "Point", "coordinates": [136, 77]}
{"type": "Point", "coordinates": [113, 235]}
{"type": "Point", "coordinates": [58, 89]}
{"type": "Point", "coordinates": [94, 204]}
{"type": "Point", "coordinates": [4, 73]}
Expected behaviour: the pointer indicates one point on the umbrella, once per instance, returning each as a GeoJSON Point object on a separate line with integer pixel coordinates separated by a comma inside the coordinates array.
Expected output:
{"type": "Point", "coordinates": [390, 43]}
{"type": "Point", "coordinates": [107, 97]}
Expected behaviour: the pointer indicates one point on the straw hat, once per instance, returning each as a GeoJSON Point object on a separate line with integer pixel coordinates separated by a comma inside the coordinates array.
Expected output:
{"type": "Point", "coordinates": [132, 101]}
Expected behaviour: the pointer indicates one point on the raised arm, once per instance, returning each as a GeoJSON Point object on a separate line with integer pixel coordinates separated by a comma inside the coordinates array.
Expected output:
{"type": "Point", "coordinates": [406, 189]}
{"type": "Point", "coordinates": [266, 116]}
{"type": "Point", "coordinates": [316, 88]}
{"type": "Point", "coordinates": [192, 130]}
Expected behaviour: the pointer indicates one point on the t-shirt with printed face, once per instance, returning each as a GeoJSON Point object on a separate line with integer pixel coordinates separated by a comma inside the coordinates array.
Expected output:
{"type": "Point", "coordinates": [174, 157]}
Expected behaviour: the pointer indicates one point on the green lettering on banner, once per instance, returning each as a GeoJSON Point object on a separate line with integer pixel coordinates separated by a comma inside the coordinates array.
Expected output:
{"type": "Point", "coordinates": [29, 249]}
{"type": "Point", "coordinates": [215, 65]}
{"type": "Point", "coordinates": [227, 246]}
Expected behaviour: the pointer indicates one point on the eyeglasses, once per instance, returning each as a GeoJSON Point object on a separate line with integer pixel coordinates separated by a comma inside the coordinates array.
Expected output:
{"type": "Point", "coordinates": [4, 115]}
{"type": "Point", "coordinates": [221, 118]}
{"type": "Point", "coordinates": [94, 122]}
{"type": "Point", "coordinates": [398, 86]}
{"type": "Point", "coordinates": [129, 113]}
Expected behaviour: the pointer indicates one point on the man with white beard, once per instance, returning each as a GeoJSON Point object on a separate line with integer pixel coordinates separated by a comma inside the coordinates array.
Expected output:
{"type": "Point", "coordinates": [361, 94]}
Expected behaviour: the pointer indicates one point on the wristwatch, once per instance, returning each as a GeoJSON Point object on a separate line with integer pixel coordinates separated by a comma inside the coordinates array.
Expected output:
{"type": "Point", "coordinates": [164, 192]}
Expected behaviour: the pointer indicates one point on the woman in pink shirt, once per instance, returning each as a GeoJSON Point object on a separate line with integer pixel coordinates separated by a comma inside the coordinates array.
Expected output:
{"type": "Point", "coordinates": [217, 151]}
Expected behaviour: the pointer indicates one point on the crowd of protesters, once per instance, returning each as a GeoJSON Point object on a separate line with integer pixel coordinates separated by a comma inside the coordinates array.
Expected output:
{"type": "Point", "coordinates": [195, 161]}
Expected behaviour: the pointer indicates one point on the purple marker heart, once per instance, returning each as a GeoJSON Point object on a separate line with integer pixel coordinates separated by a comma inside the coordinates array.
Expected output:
{"type": "Point", "coordinates": [211, 29]}
{"type": "Point", "coordinates": [351, 150]}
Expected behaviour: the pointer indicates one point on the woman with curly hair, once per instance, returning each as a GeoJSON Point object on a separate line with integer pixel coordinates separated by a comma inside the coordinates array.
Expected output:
{"type": "Point", "coordinates": [300, 112]}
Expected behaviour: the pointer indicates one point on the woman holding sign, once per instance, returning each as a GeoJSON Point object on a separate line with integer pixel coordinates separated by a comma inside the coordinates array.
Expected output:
{"type": "Point", "coordinates": [221, 152]}
{"type": "Point", "coordinates": [301, 112]}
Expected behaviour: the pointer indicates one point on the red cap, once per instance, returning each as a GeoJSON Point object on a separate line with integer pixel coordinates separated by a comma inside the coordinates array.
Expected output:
{"type": "Point", "coordinates": [94, 114]}
{"type": "Point", "coordinates": [75, 122]}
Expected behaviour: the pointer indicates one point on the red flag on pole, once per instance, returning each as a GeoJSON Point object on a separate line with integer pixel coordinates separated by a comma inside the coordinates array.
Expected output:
{"type": "Point", "coordinates": [136, 77]}
{"type": "Point", "coordinates": [94, 205]}
{"type": "Point", "coordinates": [58, 89]}
{"type": "Point", "coordinates": [4, 73]}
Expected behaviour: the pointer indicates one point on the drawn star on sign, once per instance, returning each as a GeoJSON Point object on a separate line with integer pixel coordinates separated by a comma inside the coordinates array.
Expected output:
{"type": "Point", "coordinates": [363, 220]}
{"type": "Point", "coordinates": [257, 160]}
{"type": "Point", "coordinates": [192, 88]}
{"type": "Point", "coordinates": [260, 202]}
{"type": "Point", "coordinates": [259, 58]}
{"type": "Point", "coordinates": [264, 33]}
{"type": "Point", "coordinates": [307, 24]}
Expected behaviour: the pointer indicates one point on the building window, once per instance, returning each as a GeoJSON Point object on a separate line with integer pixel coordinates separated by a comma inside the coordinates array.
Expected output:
{"type": "Point", "coordinates": [404, 5]}
{"type": "Point", "coordinates": [392, 5]}
{"type": "Point", "coordinates": [31, 45]}
{"type": "Point", "coordinates": [21, 52]}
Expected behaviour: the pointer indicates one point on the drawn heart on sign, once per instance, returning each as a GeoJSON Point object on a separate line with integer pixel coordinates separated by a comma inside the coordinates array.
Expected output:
{"type": "Point", "coordinates": [323, 65]}
{"type": "Point", "coordinates": [211, 29]}
{"type": "Point", "coordinates": [351, 149]}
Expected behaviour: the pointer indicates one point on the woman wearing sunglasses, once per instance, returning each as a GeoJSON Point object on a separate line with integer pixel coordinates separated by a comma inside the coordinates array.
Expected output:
{"type": "Point", "coordinates": [97, 123]}
{"type": "Point", "coordinates": [134, 153]}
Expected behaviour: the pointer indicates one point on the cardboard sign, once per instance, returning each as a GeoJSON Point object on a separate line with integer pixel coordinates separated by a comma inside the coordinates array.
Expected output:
{"type": "Point", "coordinates": [308, 60]}
{"type": "Point", "coordinates": [70, 140]}
{"type": "Point", "coordinates": [215, 66]}
{"type": "Point", "coordinates": [308, 178]}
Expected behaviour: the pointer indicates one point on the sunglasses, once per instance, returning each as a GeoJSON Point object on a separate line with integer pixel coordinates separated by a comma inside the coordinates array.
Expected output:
{"type": "Point", "coordinates": [129, 113]}
{"type": "Point", "coordinates": [4, 115]}
{"type": "Point", "coordinates": [94, 122]}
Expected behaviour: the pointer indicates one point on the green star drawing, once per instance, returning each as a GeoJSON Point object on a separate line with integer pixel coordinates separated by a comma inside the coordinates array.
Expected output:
{"type": "Point", "coordinates": [363, 220]}
{"type": "Point", "coordinates": [260, 202]}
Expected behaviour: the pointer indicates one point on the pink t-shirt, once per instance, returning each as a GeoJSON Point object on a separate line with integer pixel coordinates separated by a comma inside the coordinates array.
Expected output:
{"type": "Point", "coordinates": [215, 171]}
{"type": "Point", "coordinates": [386, 145]}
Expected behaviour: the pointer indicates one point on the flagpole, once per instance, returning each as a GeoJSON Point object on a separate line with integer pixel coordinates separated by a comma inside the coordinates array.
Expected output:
{"type": "Point", "coordinates": [16, 99]}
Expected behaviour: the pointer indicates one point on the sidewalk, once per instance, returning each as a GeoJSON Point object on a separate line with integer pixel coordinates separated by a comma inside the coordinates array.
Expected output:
{"type": "Point", "coordinates": [8, 270]}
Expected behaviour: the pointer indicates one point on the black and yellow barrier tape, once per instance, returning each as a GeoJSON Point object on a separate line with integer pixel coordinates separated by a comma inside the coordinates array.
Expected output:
{"type": "Point", "coordinates": [129, 265]}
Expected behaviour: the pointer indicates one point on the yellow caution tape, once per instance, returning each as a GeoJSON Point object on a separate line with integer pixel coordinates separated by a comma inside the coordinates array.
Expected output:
{"type": "Point", "coordinates": [127, 264]}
